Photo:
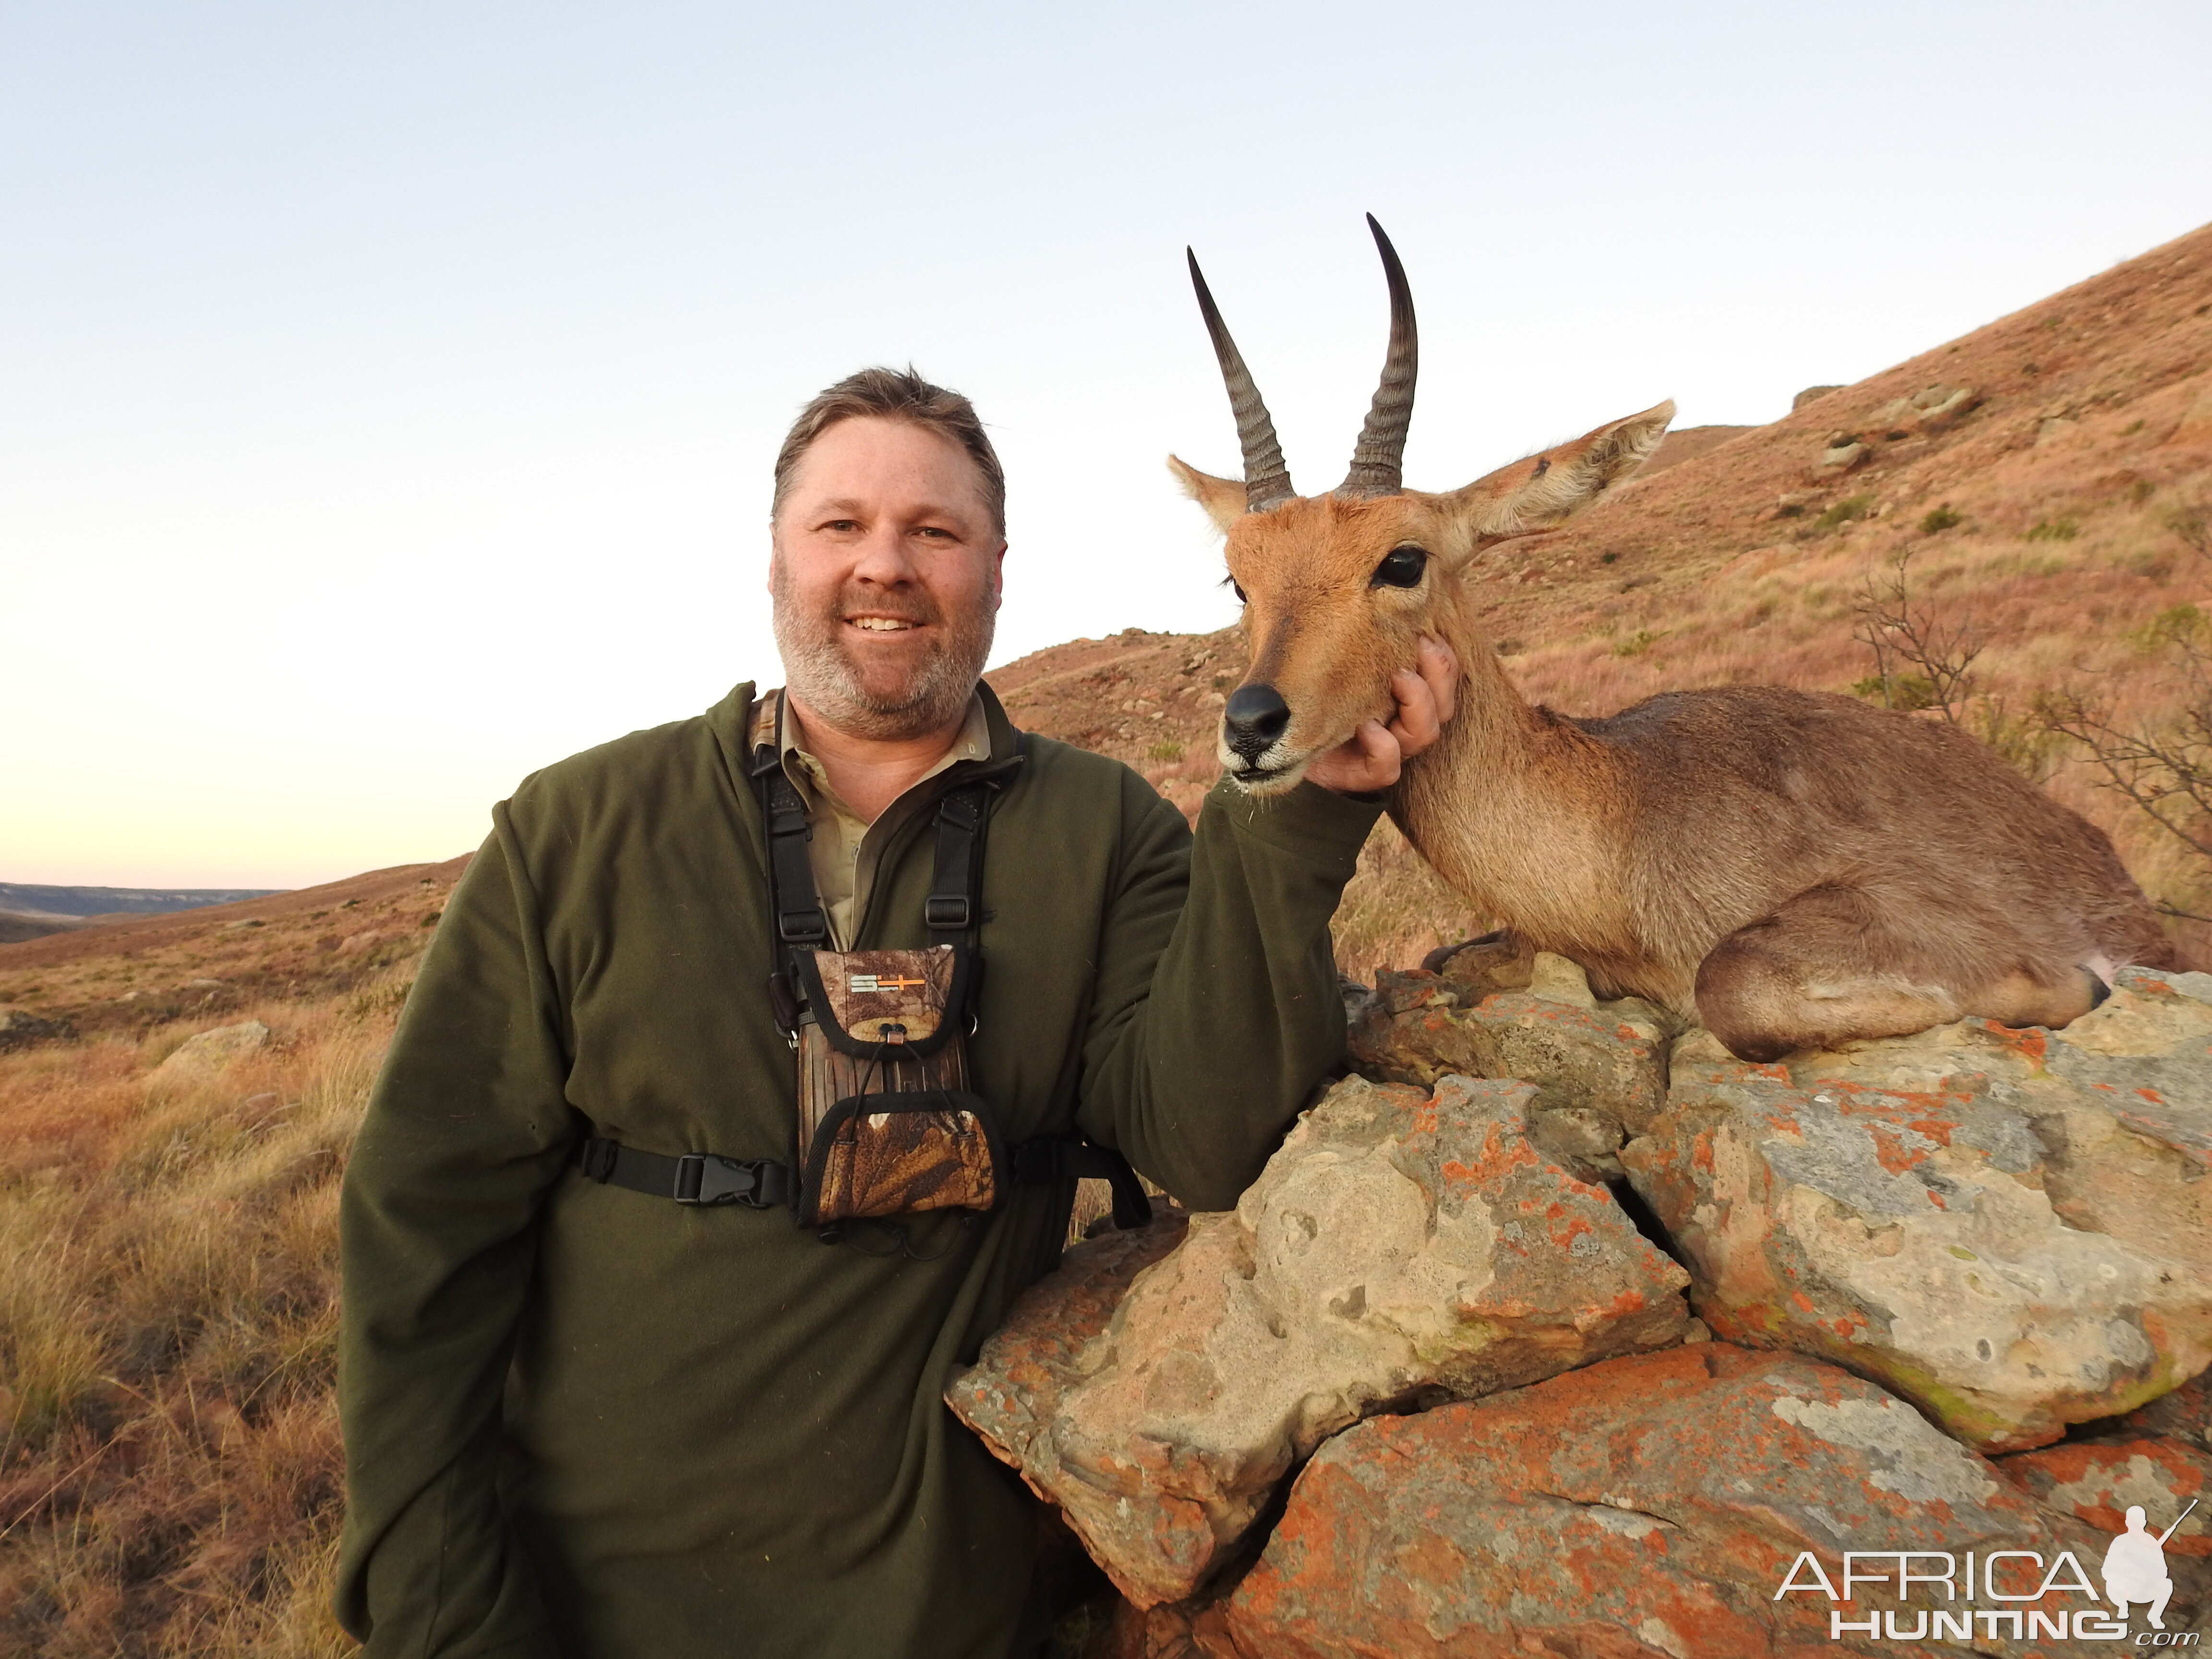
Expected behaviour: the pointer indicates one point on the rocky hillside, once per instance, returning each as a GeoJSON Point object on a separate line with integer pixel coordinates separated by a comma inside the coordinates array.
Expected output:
{"type": "Point", "coordinates": [2050, 476]}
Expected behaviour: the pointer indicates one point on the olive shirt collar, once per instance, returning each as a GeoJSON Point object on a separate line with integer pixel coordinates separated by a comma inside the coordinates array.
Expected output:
{"type": "Point", "coordinates": [845, 851]}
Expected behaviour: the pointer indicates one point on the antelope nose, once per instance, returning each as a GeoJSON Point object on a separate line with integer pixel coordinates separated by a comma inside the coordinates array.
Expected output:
{"type": "Point", "coordinates": [1254, 717]}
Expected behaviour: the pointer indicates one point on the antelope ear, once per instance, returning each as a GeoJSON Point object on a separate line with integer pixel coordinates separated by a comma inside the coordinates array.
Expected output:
{"type": "Point", "coordinates": [1222, 498]}
{"type": "Point", "coordinates": [1551, 488]}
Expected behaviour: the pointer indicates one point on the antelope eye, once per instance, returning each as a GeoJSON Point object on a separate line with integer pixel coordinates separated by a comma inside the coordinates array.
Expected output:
{"type": "Point", "coordinates": [1401, 566]}
{"type": "Point", "coordinates": [1242, 598]}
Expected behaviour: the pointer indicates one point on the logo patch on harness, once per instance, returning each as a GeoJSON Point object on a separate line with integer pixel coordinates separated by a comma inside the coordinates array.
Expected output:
{"type": "Point", "coordinates": [882, 983]}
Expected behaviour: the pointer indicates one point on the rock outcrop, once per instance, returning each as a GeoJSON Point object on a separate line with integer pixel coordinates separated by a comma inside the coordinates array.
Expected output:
{"type": "Point", "coordinates": [19, 1026]}
{"type": "Point", "coordinates": [1599, 1069]}
{"type": "Point", "coordinates": [2010, 1228]}
{"type": "Point", "coordinates": [1401, 1248]}
{"type": "Point", "coordinates": [1647, 1506]}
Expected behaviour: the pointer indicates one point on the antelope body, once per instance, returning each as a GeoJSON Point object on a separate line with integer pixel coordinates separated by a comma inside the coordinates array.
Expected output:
{"type": "Point", "coordinates": [1793, 869]}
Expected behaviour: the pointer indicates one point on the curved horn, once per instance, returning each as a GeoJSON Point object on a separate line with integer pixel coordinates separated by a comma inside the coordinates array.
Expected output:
{"type": "Point", "coordinates": [1267, 479]}
{"type": "Point", "coordinates": [1378, 460]}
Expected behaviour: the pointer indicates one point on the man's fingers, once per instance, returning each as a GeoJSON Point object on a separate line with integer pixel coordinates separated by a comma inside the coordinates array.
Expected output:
{"type": "Point", "coordinates": [1439, 666]}
{"type": "Point", "coordinates": [1415, 724]}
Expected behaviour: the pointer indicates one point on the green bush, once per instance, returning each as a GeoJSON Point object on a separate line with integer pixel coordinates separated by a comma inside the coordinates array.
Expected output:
{"type": "Point", "coordinates": [1941, 520]}
{"type": "Point", "coordinates": [1850, 507]}
{"type": "Point", "coordinates": [2053, 530]}
{"type": "Point", "coordinates": [1903, 692]}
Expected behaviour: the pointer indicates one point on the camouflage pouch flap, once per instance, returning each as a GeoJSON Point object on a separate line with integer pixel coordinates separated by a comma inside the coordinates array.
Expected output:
{"type": "Point", "coordinates": [887, 1154]}
{"type": "Point", "coordinates": [872, 1003]}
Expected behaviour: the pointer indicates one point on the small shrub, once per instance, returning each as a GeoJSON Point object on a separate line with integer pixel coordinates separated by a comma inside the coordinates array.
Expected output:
{"type": "Point", "coordinates": [1794, 510]}
{"type": "Point", "coordinates": [2131, 428]}
{"type": "Point", "coordinates": [1843, 512]}
{"type": "Point", "coordinates": [1906, 693]}
{"type": "Point", "coordinates": [1607, 558]}
{"type": "Point", "coordinates": [1637, 643]}
{"type": "Point", "coordinates": [1941, 520]}
{"type": "Point", "coordinates": [2143, 489]}
{"type": "Point", "coordinates": [2193, 524]}
{"type": "Point", "coordinates": [1167, 751]}
{"type": "Point", "coordinates": [2177, 624]}
{"type": "Point", "coordinates": [1894, 437]}
{"type": "Point", "coordinates": [1508, 647]}
{"type": "Point", "coordinates": [1221, 682]}
{"type": "Point", "coordinates": [2053, 530]}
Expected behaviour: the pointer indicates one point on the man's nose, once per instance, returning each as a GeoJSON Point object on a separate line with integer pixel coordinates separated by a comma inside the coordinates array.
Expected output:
{"type": "Point", "coordinates": [884, 559]}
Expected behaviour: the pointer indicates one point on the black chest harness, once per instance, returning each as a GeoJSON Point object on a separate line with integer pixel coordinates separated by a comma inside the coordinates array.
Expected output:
{"type": "Point", "coordinates": [886, 1124]}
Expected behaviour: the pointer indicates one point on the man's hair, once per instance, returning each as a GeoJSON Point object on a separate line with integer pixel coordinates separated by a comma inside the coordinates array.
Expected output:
{"type": "Point", "coordinates": [891, 394]}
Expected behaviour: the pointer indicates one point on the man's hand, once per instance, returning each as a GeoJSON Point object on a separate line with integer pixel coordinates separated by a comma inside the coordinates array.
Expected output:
{"type": "Point", "coordinates": [1371, 757]}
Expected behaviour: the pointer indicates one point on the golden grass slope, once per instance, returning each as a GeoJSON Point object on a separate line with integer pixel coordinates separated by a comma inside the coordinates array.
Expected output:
{"type": "Point", "coordinates": [169, 1460]}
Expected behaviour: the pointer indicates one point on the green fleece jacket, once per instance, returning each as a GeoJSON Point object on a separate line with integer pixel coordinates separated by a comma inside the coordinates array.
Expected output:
{"type": "Point", "coordinates": [581, 1420]}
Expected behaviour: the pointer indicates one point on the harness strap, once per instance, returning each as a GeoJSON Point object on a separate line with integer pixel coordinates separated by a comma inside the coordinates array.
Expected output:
{"type": "Point", "coordinates": [708, 1179]}
{"type": "Point", "coordinates": [799, 921]}
{"type": "Point", "coordinates": [701, 1178]}
{"type": "Point", "coordinates": [954, 904]}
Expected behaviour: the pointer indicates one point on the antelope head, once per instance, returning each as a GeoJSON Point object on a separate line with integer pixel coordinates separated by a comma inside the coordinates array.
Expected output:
{"type": "Point", "coordinates": [1339, 589]}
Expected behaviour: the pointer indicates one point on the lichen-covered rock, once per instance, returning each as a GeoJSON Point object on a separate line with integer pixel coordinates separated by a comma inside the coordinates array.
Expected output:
{"type": "Point", "coordinates": [1599, 1068]}
{"type": "Point", "coordinates": [1644, 1507]}
{"type": "Point", "coordinates": [211, 1050]}
{"type": "Point", "coordinates": [2009, 1228]}
{"type": "Point", "coordinates": [1400, 1248]}
{"type": "Point", "coordinates": [2184, 1414]}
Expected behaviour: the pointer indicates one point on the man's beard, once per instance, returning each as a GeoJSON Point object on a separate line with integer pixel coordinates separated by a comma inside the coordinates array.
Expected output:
{"type": "Point", "coordinates": [927, 698]}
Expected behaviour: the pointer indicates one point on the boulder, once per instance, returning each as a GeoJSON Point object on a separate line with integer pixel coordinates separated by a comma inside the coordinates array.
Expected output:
{"type": "Point", "coordinates": [1400, 1248]}
{"type": "Point", "coordinates": [2009, 1228]}
{"type": "Point", "coordinates": [19, 1026]}
{"type": "Point", "coordinates": [1843, 458]}
{"type": "Point", "coordinates": [1599, 1068]}
{"type": "Point", "coordinates": [1650, 1506]}
{"type": "Point", "coordinates": [2184, 1414]}
{"type": "Point", "coordinates": [211, 1050]}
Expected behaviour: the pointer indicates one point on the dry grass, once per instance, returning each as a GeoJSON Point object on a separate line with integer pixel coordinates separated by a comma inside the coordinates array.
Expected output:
{"type": "Point", "coordinates": [170, 1475]}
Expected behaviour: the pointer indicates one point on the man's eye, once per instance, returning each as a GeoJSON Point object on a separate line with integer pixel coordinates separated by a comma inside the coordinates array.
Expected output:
{"type": "Point", "coordinates": [1401, 566]}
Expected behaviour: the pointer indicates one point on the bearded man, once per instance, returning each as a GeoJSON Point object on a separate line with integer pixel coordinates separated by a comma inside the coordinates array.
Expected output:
{"type": "Point", "coordinates": [588, 1410]}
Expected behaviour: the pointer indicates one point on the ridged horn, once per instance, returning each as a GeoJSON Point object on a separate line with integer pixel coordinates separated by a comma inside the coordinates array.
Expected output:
{"type": "Point", "coordinates": [1267, 479]}
{"type": "Point", "coordinates": [1378, 460]}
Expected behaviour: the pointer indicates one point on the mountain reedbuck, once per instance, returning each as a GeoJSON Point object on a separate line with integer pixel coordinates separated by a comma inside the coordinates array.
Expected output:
{"type": "Point", "coordinates": [1793, 869]}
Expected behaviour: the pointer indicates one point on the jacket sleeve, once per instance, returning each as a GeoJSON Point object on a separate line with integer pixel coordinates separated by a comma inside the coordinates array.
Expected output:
{"type": "Point", "coordinates": [1217, 1008]}
{"type": "Point", "coordinates": [466, 1129]}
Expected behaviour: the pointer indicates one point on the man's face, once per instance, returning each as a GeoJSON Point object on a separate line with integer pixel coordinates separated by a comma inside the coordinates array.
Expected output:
{"type": "Point", "coordinates": [885, 576]}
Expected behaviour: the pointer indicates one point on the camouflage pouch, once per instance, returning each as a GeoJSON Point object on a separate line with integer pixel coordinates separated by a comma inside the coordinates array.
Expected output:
{"type": "Point", "coordinates": [886, 1120]}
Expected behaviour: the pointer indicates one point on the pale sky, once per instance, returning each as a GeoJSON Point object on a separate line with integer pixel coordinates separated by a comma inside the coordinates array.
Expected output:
{"type": "Point", "coordinates": [387, 393]}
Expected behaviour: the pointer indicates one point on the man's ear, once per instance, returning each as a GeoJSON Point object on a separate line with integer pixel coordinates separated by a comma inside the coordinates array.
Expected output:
{"type": "Point", "coordinates": [1222, 498]}
{"type": "Point", "coordinates": [1548, 488]}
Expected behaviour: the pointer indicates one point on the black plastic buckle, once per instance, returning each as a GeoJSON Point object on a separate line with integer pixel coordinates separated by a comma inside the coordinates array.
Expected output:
{"type": "Point", "coordinates": [704, 1178]}
{"type": "Point", "coordinates": [945, 911]}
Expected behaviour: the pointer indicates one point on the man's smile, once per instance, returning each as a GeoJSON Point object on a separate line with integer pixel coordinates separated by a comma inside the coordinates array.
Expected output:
{"type": "Point", "coordinates": [883, 624]}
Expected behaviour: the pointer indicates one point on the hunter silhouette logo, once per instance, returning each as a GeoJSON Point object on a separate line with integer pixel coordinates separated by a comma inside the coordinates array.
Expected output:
{"type": "Point", "coordinates": [2135, 1567]}
{"type": "Point", "coordinates": [884, 982]}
